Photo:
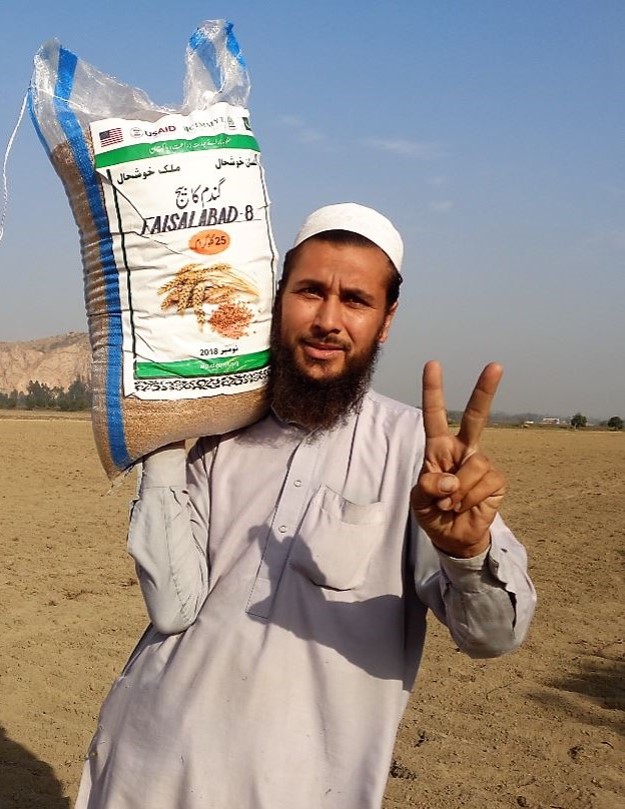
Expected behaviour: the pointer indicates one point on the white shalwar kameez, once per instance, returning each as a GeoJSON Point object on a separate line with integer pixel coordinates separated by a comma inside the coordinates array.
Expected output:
{"type": "Point", "coordinates": [288, 589]}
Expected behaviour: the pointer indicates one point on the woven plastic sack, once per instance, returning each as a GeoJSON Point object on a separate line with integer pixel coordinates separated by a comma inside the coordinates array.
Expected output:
{"type": "Point", "coordinates": [178, 255]}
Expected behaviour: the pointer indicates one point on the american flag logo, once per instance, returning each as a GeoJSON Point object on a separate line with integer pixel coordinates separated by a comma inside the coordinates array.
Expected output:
{"type": "Point", "coordinates": [111, 136]}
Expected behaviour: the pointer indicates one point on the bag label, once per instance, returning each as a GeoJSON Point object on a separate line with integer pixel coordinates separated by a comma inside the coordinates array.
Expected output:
{"type": "Point", "coordinates": [188, 213]}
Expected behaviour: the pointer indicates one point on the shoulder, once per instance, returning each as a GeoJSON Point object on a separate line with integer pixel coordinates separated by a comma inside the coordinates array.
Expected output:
{"type": "Point", "coordinates": [395, 429]}
{"type": "Point", "coordinates": [396, 421]}
{"type": "Point", "coordinates": [391, 410]}
{"type": "Point", "coordinates": [266, 432]}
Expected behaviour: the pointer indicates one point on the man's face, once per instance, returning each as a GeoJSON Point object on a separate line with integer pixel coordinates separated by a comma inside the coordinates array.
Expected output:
{"type": "Point", "coordinates": [333, 308]}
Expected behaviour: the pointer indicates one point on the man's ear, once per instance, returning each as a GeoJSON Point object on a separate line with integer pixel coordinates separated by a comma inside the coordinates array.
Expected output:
{"type": "Point", "coordinates": [386, 326]}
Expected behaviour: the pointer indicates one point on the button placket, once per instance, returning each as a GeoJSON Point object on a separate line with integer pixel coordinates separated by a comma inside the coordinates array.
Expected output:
{"type": "Point", "coordinates": [286, 519]}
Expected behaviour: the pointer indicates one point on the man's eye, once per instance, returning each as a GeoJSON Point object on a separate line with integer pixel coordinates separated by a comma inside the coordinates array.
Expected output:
{"type": "Point", "coordinates": [310, 292]}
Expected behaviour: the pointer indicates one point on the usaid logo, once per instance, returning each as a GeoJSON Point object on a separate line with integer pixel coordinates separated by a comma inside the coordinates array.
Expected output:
{"type": "Point", "coordinates": [163, 130]}
{"type": "Point", "coordinates": [137, 132]}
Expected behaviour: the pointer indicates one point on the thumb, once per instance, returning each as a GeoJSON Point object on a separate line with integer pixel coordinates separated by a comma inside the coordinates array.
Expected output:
{"type": "Point", "coordinates": [433, 486]}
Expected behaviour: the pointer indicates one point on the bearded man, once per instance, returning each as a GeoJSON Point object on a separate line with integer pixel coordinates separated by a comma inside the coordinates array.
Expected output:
{"type": "Point", "coordinates": [288, 567]}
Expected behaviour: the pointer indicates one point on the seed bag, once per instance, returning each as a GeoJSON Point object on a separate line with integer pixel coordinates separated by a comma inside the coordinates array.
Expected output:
{"type": "Point", "coordinates": [178, 255]}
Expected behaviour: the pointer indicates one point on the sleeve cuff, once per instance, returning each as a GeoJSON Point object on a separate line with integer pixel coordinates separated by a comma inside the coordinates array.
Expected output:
{"type": "Point", "coordinates": [461, 573]}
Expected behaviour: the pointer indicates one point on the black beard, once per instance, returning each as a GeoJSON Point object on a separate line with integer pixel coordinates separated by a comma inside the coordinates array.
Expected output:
{"type": "Point", "coordinates": [317, 404]}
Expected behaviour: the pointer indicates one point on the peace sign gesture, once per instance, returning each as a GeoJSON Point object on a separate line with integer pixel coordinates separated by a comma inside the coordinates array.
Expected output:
{"type": "Point", "coordinates": [459, 491]}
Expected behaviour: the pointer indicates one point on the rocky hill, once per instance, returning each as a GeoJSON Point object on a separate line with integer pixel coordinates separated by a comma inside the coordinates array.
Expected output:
{"type": "Point", "coordinates": [53, 361]}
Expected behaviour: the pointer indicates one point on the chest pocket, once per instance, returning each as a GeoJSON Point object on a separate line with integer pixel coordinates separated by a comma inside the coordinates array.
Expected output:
{"type": "Point", "coordinates": [336, 540]}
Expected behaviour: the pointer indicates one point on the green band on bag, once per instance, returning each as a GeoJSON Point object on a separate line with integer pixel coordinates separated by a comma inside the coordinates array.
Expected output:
{"type": "Point", "coordinates": [144, 151]}
{"type": "Point", "coordinates": [202, 367]}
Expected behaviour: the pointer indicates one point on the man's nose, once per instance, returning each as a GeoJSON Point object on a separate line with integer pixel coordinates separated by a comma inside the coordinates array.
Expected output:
{"type": "Point", "coordinates": [328, 315]}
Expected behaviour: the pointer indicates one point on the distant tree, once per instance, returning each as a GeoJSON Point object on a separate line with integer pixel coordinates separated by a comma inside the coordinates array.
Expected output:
{"type": "Point", "coordinates": [615, 423]}
{"type": "Point", "coordinates": [57, 394]}
{"type": "Point", "coordinates": [15, 400]}
{"type": "Point", "coordinates": [38, 396]}
{"type": "Point", "coordinates": [78, 397]}
{"type": "Point", "coordinates": [578, 421]}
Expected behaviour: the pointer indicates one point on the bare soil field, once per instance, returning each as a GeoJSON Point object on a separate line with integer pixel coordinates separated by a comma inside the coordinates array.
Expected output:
{"type": "Point", "coordinates": [542, 728]}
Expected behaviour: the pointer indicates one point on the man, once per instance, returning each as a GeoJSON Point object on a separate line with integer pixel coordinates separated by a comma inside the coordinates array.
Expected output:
{"type": "Point", "coordinates": [285, 577]}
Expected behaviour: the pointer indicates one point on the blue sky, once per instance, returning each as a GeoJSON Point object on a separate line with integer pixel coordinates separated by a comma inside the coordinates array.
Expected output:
{"type": "Point", "coordinates": [489, 131]}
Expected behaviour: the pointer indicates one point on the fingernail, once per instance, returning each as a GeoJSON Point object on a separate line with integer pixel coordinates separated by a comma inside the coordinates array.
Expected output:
{"type": "Point", "coordinates": [447, 483]}
{"type": "Point", "coordinates": [446, 504]}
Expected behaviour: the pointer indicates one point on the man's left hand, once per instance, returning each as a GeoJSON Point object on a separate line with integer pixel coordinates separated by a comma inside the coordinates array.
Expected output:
{"type": "Point", "coordinates": [459, 491]}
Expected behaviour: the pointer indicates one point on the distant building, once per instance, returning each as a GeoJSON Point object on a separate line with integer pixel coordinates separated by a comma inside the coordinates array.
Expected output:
{"type": "Point", "coordinates": [550, 420]}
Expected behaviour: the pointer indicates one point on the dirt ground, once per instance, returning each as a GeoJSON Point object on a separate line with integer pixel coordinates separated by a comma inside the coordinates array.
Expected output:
{"type": "Point", "coordinates": [542, 728]}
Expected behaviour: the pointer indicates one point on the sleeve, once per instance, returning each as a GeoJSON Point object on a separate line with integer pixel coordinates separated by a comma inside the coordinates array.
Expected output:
{"type": "Point", "coordinates": [486, 602]}
{"type": "Point", "coordinates": [168, 535]}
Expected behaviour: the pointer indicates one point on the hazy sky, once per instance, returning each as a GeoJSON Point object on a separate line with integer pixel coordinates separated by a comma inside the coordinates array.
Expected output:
{"type": "Point", "coordinates": [490, 131]}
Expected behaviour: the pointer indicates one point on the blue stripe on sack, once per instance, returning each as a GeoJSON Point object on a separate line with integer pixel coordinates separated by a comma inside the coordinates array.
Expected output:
{"type": "Point", "coordinates": [204, 48]}
{"type": "Point", "coordinates": [233, 45]}
{"type": "Point", "coordinates": [197, 39]}
{"type": "Point", "coordinates": [33, 118]}
{"type": "Point", "coordinates": [84, 162]}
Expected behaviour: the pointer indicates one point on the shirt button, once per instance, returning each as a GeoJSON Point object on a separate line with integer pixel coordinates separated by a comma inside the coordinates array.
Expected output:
{"type": "Point", "coordinates": [297, 483]}
{"type": "Point", "coordinates": [282, 529]}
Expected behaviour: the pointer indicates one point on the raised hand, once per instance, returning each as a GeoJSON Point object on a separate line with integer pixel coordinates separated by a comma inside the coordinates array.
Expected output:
{"type": "Point", "coordinates": [459, 491]}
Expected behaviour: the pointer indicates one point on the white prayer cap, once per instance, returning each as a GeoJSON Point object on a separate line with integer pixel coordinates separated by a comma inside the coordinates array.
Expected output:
{"type": "Point", "coordinates": [357, 219]}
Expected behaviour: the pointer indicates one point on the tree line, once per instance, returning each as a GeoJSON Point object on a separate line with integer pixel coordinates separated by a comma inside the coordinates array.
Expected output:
{"type": "Point", "coordinates": [39, 396]}
{"type": "Point", "coordinates": [576, 422]}
{"type": "Point", "coordinates": [579, 421]}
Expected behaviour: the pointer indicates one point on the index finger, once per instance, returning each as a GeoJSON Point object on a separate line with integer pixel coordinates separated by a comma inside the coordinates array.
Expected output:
{"type": "Point", "coordinates": [477, 411]}
{"type": "Point", "coordinates": [433, 402]}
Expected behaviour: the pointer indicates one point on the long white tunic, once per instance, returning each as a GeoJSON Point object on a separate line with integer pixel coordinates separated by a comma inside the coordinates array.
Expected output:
{"type": "Point", "coordinates": [288, 588]}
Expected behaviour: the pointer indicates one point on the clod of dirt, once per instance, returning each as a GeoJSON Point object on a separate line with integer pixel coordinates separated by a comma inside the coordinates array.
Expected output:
{"type": "Point", "coordinates": [576, 752]}
{"type": "Point", "coordinates": [399, 771]}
